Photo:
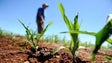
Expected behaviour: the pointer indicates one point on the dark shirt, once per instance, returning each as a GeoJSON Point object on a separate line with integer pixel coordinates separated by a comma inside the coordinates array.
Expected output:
{"type": "Point", "coordinates": [42, 12]}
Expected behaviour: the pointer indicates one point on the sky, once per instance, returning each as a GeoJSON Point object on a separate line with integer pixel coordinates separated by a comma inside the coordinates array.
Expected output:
{"type": "Point", "coordinates": [92, 15]}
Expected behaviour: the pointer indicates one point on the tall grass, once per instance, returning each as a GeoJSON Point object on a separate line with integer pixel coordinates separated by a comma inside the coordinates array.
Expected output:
{"type": "Point", "coordinates": [109, 40]}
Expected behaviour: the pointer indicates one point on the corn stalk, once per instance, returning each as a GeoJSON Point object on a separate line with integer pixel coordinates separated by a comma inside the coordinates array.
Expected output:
{"type": "Point", "coordinates": [32, 35]}
{"type": "Point", "coordinates": [71, 26]}
{"type": "Point", "coordinates": [101, 36]}
{"type": "Point", "coordinates": [109, 59]}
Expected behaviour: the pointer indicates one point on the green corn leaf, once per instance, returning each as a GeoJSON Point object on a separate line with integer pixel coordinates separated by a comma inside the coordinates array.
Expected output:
{"type": "Point", "coordinates": [68, 23]}
{"type": "Point", "coordinates": [58, 49]}
{"type": "Point", "coordinates": [81, 32]}
{"type": "Point", "coordinates": [23, 24]}
{"type": "Point", "coordinates": [71, 26]}
{"type": "Point", "coordinates": [108, 58]}
{"type": "Point", "coordinates": [76, 24]}
{"type": "Point", "coordinates": [27, 30]}
{"type": "Point", "coordinates": [1, 32]}
{"type": "Point", "coordinates": [75, 42]}
{"type": "Point", "coordinates": [40, 35]}
{"type": "Point", "coordinates": [102, 36]}
{"type": "Point", "coordinates": [109, 40]}
{"type": "Point", "coordinates": [30, 37]}
{"type": "Point", "coordinates": [61, 8]}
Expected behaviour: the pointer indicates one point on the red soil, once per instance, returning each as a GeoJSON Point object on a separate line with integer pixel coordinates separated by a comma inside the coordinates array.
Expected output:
{"type": "Point", "coordinates": [11, 52]}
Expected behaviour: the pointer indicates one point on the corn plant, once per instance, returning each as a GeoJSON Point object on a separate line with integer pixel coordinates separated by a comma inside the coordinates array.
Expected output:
{"type": "Point", "coordinates": [101, 36]}
{"type": "Point", "coordinates": [64, 39]}
{"type": "Point", "coordinates": [1, 32]}
{"type": "Point", "coordinates": [56, 38]}
{"type": "Point", "coordinates": [109, 59]}
{"type": "Point", "coordinates": [12, 35]}
{"type": "Point", "coordinates": [74, 44]}
{"type": "Point", "coordinates": [109, 40]}
{"type": "Point", "coordinates": [32, 35]}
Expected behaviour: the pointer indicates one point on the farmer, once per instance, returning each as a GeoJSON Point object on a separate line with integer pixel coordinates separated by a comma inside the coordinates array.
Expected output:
{"type": "Point", "coordinates": [40, 18]}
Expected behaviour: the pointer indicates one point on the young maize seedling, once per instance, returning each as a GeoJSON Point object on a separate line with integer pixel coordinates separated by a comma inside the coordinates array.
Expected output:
{"type": "Point", "coordinates": [109, 59]}
{"type": "Point", "coordinates": [56, 38]}
{"type": "Point", "coordinates": [109, 40]}
{"type": "Point", "coordinates": [31, 35]}
{"type": "Point", "coordinates": [71, 26]}
{"type": "Point", "coordinates": [101, 36]}
{"type": "Point", "coordinates": [1, 32]}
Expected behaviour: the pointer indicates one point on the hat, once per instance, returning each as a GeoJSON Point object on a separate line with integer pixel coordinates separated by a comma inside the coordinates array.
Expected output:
{"type": "Point", "coordinates": [45, 4]}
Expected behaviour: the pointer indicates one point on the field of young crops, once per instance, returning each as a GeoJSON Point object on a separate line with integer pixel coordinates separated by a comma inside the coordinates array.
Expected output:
{"type": "Point", "coordinates": [15, 49]}
{"type": "Point", "coordinates": [35, 48]}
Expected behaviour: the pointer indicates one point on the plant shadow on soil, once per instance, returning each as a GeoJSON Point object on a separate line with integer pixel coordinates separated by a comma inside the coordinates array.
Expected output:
{"type": "Point", "coordinates": [63, 56]}
{"type": "Point", "coordinates": [44, 55]}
